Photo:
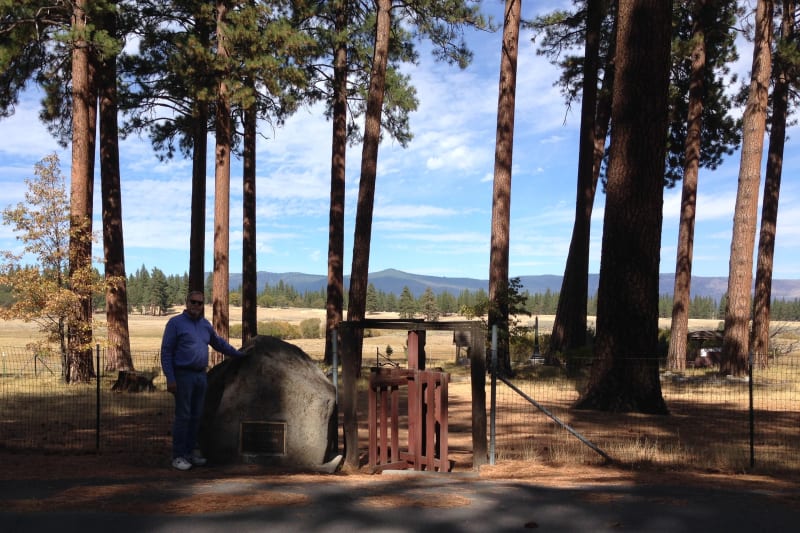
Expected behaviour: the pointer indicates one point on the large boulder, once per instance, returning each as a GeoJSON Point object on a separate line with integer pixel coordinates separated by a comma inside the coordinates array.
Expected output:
{"type": "Point", "coordinates": [274, 406]}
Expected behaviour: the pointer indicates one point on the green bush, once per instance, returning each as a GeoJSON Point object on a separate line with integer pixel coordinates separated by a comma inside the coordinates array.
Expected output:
{"type": "Point", "coordinates": [311, 328]}
{"type": "Point", "coordinates": [308, 329]}
{"type": "Point", "coordinates": [280, 329]}
{"type": "Point", "coordinates": [521, 348]}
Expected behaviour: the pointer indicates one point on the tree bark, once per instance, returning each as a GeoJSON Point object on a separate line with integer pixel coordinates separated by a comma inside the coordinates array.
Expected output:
{"type": "Point", "coordinates": [79, 359]}
{"type": "Point", "coordinates": [369, 163]}
{"type": "Point", "coordinates": [501, 193]}
{"type": "Point", "coordinates": [676, 355]}
{"type": "Point", "coordinates": [197, 233]}
{"type": "Point", "coordinates": [119, 343]}
{"type": "Point", "coordinates": [625, 371]}
{"type": "Point", "coordinates": [363, 229]}
{"type": "Point", "coordinates": [569, 326]}
{"type": "Point", "coordinates": [222, 193]}
{"type": "Point", "coordinates": [772, 189]}
{"type": "Point", "coordinates": [249, 260]}
{"type": "Point", "coordinates": [735, 344]}
{"type": "Point", "coordinates": [335, 294]}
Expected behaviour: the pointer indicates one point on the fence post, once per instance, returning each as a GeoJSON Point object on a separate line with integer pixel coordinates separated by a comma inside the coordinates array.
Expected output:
{"type": "Point", "coordinates": [335, 362]}
{"type": "Point", "coordinates": [477, 372]}
{"type": "Point", "coordinates": [97, 421]}
{"type": "Point", "coordinates": [752, 414]}
{"type": "Point", "coordinates": [492, 409]}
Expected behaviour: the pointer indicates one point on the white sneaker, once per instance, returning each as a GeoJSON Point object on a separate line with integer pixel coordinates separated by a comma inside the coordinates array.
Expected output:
{"type": "Point", "coordinates": [181, 463]}
{"type": "Point", "coordinates": [197, 458]}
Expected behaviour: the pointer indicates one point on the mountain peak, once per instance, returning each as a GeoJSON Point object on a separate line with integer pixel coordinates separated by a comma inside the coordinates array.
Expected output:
{"type": "Point", "coordinates": [394, 281]}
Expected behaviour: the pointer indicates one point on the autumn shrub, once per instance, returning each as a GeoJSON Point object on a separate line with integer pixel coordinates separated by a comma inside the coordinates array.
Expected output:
{"type": "Point", "coordinates": [311, 328]}
{"type": "Point", "coordinates": [273, 328]}
{"type": "Point", "coordinates": [280, 329]}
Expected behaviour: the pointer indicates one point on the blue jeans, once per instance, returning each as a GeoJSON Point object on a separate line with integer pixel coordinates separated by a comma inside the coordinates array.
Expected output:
{"type": "Point", "coordinates": [189, 399]}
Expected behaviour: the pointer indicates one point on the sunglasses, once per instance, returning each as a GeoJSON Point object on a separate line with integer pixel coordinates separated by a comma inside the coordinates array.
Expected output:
{"type": "Point", "coordinates": [196, 302]}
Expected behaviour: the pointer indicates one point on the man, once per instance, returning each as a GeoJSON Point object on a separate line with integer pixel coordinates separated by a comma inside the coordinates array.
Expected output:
{"type": "Point", "coordinates": [184, 359]}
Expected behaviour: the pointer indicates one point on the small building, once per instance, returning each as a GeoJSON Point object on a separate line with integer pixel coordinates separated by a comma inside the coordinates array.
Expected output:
{"type": "Point", "coordinates": [704, 349]}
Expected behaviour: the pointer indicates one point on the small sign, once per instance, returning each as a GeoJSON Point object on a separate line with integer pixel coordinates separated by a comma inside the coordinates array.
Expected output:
{"type": "Point", "coordinates": [262, 438]}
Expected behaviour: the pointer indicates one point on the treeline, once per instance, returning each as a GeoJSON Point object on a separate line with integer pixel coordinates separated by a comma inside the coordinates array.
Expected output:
{"type": "Point", "coordinates": [153, 292]}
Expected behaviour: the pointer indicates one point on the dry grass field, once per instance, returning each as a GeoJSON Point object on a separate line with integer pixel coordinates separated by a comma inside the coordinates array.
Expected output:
{"type": "Point", "coordinates": [146, 331]}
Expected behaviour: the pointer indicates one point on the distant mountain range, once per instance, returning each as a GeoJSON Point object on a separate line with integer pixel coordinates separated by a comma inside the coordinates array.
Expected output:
{"type": "Point", "coordinates": [393, 281]}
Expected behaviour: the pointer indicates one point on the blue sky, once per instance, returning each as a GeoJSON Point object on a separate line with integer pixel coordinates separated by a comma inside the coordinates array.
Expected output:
{"type": "Point", "coordinates": [433, 199]}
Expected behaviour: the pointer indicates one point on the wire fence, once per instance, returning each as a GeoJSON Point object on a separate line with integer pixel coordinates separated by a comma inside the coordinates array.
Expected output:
{"type": "Point", "coordinates": [39, 411]}
{"type": "Point", "coordinates": [715, 422]}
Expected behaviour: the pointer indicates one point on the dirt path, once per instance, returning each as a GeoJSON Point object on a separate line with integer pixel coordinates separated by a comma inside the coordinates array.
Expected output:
{"type": "Point", "coordinates": [80, 493]}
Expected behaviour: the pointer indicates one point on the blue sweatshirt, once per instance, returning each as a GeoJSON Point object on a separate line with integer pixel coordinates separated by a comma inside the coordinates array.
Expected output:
{"type": "Point", "coordinates": [185, 344]}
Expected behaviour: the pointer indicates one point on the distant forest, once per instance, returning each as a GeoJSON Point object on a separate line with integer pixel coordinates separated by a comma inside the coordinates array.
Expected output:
{"type": "Point", "coordinates": [153, 292]}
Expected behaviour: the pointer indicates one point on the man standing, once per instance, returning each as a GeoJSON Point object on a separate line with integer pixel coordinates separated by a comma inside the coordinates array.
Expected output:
{"type": "Point", "coordinates": [184, 359]}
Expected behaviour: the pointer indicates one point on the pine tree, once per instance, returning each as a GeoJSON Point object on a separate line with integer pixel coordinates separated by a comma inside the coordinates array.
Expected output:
{"type": "Point", "coordinates": [428, 306]}
{"type": "Point", "coordinates": [158, 295]}
{"type": "Point", "coordinates": [372, 299]}
{"type": "Point", "coordinates": [407, 306]}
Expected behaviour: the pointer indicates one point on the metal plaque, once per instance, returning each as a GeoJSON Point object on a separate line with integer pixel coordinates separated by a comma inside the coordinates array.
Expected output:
{"type": "Point", "coordinates": [262, 438]}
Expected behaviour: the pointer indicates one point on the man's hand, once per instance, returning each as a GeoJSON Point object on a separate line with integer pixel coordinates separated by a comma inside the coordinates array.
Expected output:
{"type": "Point", "coordinates": [172, 388]}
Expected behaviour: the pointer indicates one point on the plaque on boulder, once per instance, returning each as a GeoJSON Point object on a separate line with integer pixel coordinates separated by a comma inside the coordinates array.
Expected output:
{"type": "Point", "coordinates": [262, 438]}
{"type": "Point", "coordinates": [275, 406]}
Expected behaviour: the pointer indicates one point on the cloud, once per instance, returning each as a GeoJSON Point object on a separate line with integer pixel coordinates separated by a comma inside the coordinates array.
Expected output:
{"type": "Point", "coordinates": [413, 212]}
{"type": "Point", "coordinates": [26, 138]}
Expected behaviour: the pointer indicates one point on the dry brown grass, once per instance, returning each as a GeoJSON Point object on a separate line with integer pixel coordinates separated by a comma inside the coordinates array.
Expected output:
{"type": "Point", "coordinates": [146, 332]}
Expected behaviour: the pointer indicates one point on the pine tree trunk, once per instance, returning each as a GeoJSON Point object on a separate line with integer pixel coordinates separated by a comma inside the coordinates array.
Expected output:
{"type": "Point", "coordinates": [735, 344]}
{"type": "Point", "coordinates": [369, 162]}
{"type": "Point", "coordinates": [351, 359]}
{"type": "Point", "coordinates": [569, 326]}
{"type": "Point", "coordinates": [335, 293]}
{"type": "Point", "coordinates": [222, 194]}
{"type": "Point", "coordinates": [625, 371]}
{"type": "Point", "coordinates": [676, 355]}
{"type": "Point", "coordinates": [119, 344]}
{"type": "Point", "coordinates": [772, 188]}
{"type": "Point", "coordinates": [249, 260]}
{"type": "Point", "coordinates": [197, 233]}
{"type": "Point", "coordinates": [501, 193]}
{"type": "Point", "coordinates": [80, 368]}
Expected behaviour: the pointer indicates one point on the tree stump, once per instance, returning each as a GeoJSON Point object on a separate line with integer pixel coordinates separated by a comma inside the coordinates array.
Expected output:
{"type": "Point", "coordinates": [132, 381]}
